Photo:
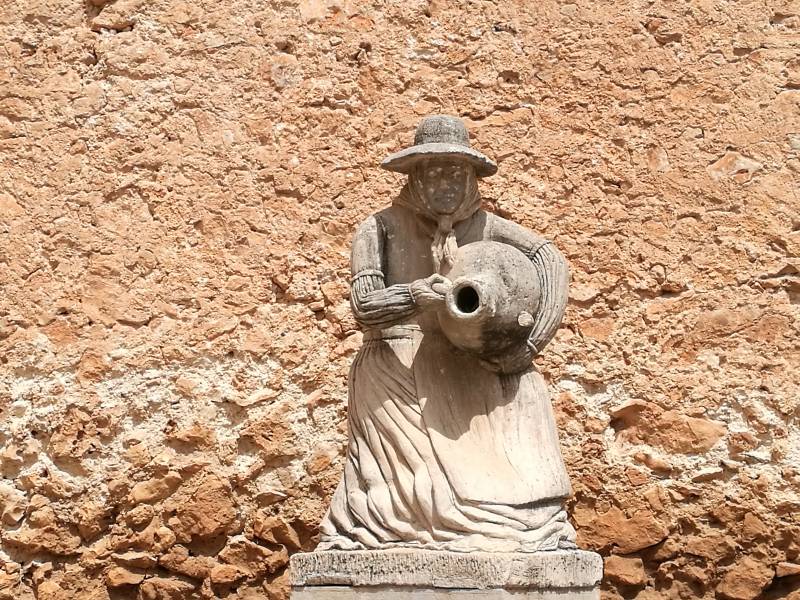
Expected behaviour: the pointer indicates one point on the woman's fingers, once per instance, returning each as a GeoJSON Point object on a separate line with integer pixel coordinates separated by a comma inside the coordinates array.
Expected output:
{"type": "Point", "coordinates": [441, 288]}
{"type": "Point", "coordinates": [439, 283]}
{"type": "Point", "coordinates": [430, 291]}
{"type": "Point", "coordinates": [437, 279]}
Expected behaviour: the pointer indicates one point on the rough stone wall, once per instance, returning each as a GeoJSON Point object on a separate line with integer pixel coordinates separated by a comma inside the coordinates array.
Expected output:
{"type": "Point", "coordinates": [179, 181]}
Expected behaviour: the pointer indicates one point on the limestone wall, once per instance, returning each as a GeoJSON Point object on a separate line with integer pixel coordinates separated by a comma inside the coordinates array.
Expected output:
{"type": "Point", "coordinates": [179, 181]}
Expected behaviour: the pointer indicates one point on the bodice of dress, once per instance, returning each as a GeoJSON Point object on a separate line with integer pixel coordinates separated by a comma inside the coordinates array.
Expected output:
{"type": "Point", "coordinates": [407, 250]}
{"type": "Point", "coordinates": [392, 248]}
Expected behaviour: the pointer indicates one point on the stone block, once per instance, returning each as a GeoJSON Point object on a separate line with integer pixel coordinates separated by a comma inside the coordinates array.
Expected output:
{"type": "Point", "coordinates": [431, 575]}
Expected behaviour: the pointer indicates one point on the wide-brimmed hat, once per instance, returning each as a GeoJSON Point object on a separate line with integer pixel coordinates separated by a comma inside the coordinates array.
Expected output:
{"type": "Point", "coordinates": [440, 136]}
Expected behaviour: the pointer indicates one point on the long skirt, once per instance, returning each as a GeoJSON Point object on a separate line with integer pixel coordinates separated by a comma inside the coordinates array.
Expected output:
{"type": "Point", "coordinates": [446, 455]}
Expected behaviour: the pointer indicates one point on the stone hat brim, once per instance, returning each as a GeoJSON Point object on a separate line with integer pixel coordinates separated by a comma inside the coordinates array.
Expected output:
{"type": "Point", "coordinates": [404, 161]}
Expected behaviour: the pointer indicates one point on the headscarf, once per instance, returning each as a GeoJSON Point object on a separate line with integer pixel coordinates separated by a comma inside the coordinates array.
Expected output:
{"type": "Point", "coordinates": [444, 245]}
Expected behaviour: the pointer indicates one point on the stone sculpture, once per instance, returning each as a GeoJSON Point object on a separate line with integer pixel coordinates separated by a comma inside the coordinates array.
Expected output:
{"type": "Point", "coordinates": [453, 444]}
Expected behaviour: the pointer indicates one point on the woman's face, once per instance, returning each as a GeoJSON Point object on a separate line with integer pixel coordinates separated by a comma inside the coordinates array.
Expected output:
{"type": "Point", "coordinates": [444, 183]}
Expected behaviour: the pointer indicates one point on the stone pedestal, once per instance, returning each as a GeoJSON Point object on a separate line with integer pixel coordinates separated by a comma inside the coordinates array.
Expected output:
{"type": "Point", "coordinates": [433, 575]}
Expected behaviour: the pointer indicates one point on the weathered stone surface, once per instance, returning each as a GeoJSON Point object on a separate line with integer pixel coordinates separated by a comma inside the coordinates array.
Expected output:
{"type": "Point", "coordinates": [745, 580]}
{"type": "Point", "coordinates": [43, 533]}
{"type": "Point", "coordinates": [614, 529]}
{"type": "Point", "coordinates": [119, 576]}
{"type": "Point", "coordinates": [624, 570]}
{"type": "Point", "coordinates": [156, 488]}
{"type": "Point", "coordinates": [276, 530]}
{"type": "Point", "coordinates": [179, 560]}
{"type": "Point", "coordinates": [68, 584]}
{"type": "Point", "coordinates": [733, 164]}
{"type": "Point", "coordinates": [12, 504]}
{"type": "Point", "coordinates": [161, 588]}
{"type": "Point", "coordinates": [787, 569]}
{"type": "Point", "coordinates": [642, 422]}
{"type": "Point", "coordinates": [273, 434]}
{"type": "Point", "coordinates": [253, 558]}
{"type": "Point", "coordinates": [158, 189]}
{"type": "Point", "coordinates": [448, 570]}
{"type": "Point", "coordinates": [118, 16]}
{"type": "Point", "coordinates": [400, 593]}
{"type": "Point", "coordinates": [202, 509]}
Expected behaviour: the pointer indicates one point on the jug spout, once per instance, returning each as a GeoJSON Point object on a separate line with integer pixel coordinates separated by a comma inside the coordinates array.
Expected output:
{"type": "Point", "coordinates": [494, 295]}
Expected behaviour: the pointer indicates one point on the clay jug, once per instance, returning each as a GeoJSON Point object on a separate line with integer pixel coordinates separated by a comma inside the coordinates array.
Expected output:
{"type": "Point", "coordinates": [494, 296]}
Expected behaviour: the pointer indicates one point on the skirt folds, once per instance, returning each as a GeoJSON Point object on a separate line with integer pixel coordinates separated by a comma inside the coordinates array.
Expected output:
{"type": "Point", "coordinates": [395, 492]}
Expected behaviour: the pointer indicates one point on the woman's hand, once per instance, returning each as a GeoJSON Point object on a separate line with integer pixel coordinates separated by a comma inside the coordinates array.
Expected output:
{"type": "Point", "coordinates": [430, 292]}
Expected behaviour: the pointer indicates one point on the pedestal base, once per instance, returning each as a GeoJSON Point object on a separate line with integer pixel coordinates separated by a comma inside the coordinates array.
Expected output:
{"type": "Point", "coordinates": [433, 575]}
{"type": "Point", "coordinates": [398, 593]}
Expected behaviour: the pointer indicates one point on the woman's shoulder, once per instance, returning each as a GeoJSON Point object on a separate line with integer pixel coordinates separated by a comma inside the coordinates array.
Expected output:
{"type": "Point", "coordinates": [382, 222]}
{"type": "Point", "coordinates": [500, 226]}
{"type": "Point", "coordinates": [496, 220]}
{"type": "Point", "coordinates": [396, 218]}
{"type": "Point", "coordinates": [499, 229]}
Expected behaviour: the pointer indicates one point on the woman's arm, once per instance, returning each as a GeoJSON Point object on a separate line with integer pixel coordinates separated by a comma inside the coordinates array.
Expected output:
{"type": "Point", "coordinates": [374, 305]}
{"type": "Point", "coordinates": [553, 273]}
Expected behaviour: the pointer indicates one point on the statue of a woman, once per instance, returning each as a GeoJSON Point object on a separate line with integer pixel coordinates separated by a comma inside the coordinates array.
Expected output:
{"type": "Point", "coordinates": [448, 450]}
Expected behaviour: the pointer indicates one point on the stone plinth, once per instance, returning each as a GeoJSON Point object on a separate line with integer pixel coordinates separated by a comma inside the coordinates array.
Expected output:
{"type": "Point", "coordinates": [433, 575]}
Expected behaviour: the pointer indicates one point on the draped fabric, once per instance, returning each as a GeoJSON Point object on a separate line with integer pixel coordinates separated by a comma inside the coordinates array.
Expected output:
{"type": "Point", "coordinates": [444, 245]}
{"type": "Point", "coordinates": [397, 489]}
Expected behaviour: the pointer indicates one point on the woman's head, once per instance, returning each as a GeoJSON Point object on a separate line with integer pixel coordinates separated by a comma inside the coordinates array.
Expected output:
{"type": "Point", "coordinates": [444, 184]}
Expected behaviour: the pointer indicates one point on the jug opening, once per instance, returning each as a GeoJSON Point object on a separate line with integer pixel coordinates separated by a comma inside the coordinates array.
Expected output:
{"type": "Point", "coordinates": [467, 300]}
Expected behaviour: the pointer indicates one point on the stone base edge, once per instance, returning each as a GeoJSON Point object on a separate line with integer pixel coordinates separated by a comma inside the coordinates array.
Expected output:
{"type": "Point", "coordinates": [325, 592]}
{"type": "Point", "coordinates": [431, 569]}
